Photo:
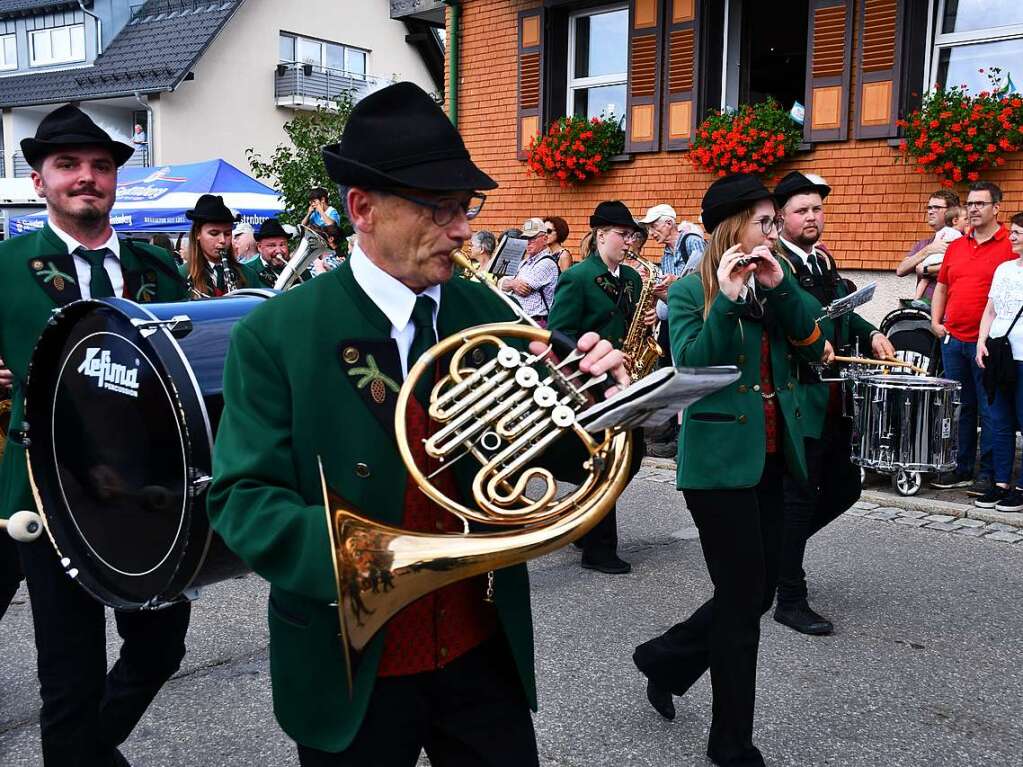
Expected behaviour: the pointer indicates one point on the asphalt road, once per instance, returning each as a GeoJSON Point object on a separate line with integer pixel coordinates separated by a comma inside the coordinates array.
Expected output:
{"type": "Point", "coordinates": [924, 669]}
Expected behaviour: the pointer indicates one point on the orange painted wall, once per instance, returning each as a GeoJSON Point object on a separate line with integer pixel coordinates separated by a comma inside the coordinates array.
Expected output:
{"type": "Point", "coordinates": [874, 214]}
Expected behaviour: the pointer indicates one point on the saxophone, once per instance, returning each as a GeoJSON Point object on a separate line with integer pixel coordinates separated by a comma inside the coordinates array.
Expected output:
{"type": "Point", "coordinates": [641, 350]}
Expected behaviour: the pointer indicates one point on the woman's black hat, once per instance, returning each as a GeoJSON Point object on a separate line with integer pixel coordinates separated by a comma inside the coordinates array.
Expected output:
{"type": "Point", "coordinates": [399, 137]}
{"type": "Point", "coordinates": [798, 183]}
{"type": "Point", "coordinates": [730, 195]}
{"type": "Point", "coordinates": [70, 126]}
{"type": "Point", "coordinates": [210, 208]}
{"type": "Point", "coordinates": [613, 213]}
{"type": "Point", "coordinates": [270, 228]}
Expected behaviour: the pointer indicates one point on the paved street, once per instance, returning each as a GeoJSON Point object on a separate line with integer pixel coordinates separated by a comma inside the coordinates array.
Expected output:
{"type": "Point", "coordinates": [924, 668]}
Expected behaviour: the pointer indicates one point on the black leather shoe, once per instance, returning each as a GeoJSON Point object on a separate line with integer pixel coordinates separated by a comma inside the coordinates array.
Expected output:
{"type": "Point", "coordinates": [661, 700]}
{"type": "Point", "coordinates": [802, 619]}
{"type": "Point", "coordinates": [612, 565]}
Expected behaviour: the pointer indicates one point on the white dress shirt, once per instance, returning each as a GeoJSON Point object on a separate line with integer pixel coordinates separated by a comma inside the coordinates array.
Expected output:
{"type": "Point", "coordinates": [394, 299]}
{"type": "Point", "coordinates": [83, 269]}
{"type": "Point", "coordinates": [803, 255]}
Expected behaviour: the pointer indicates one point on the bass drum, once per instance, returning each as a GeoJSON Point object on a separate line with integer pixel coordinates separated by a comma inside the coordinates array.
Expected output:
{"type": "Point", "coordinates": [909, 330]}
{"type": "Point", "coordinates": [122, 402]}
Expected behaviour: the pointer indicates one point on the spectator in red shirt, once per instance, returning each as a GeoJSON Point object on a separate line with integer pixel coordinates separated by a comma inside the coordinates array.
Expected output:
{"type": "Point", "coordinates": [956, 310]}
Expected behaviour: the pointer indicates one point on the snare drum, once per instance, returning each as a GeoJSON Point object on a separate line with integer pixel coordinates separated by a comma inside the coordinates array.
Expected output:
{"type": "Point", "coordinates": [121, 406]}
{"type": "Point", "coordinates": [904, 422]}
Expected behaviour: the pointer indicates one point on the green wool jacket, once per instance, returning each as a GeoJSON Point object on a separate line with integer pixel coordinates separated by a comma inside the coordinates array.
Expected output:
{"type": "Point", "coordinates": [37, 274]}
{"type": "Point", "coordinates": [288, 405]}
{"type": "Point", "coordinates": [722, 441]}
{"type": "Point", "coordinates": [846, 330]}
{"type": "Point", "coordinates": [588, 298]}
{"type": "Point", "coordinates": [251, 275]}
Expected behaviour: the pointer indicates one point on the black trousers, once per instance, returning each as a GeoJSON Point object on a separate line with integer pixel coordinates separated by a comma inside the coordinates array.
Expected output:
{"type": "Point", "coordinates": [471, 713]}
{"type": "Point", "coordinates": [740, 532]}
{"type": "Point", "coordinates": [10, 571]}
{"type": "Point", "coordinates": [601, 542]}
{"type": "Point", "coordinates": [87, 712]}
{"type": "Point", "coordinates": [833, 486]}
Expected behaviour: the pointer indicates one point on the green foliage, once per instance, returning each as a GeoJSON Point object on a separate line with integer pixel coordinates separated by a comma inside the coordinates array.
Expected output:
{"type": "Point", "coordinates": [295, 167]}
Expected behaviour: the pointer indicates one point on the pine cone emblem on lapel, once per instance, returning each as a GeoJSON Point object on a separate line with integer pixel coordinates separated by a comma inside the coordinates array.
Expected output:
{"type": "Point", "coordinates": [378, 391]}
{"type": "Point", "coordinates": [58, 283]}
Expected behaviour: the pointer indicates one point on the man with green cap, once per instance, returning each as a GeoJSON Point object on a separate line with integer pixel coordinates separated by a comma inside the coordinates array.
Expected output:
{"type": "Point", "coordinates": [86, 712]}
{"type": "Point", "coordinates": [451, 673]}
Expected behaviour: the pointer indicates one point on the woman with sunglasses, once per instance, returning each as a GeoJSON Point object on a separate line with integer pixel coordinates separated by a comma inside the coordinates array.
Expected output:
{"type": "Point", "coordinates": [600, 294]}
{"type": "Point", "coordinates": [556, 233]}
{"type": "Point", "coordinates": [741, 308]}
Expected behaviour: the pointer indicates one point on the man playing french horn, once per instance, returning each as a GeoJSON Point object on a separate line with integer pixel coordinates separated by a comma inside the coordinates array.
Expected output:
{"type": "Point", "coordinates": [452, 672]}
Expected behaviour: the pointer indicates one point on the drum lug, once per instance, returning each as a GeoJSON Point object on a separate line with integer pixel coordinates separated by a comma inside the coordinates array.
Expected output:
{"type": "Point", "coordinates": [179, 326]}
{"type": "Point", "coordinates": [198, 484]}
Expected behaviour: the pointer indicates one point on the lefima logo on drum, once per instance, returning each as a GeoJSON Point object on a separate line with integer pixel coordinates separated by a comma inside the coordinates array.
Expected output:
{"type": "Point", "coordinates": [110, 375]}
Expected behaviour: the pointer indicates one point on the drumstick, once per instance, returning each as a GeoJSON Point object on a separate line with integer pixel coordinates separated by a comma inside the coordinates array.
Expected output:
{"type": "Point", "coordinates": [889, 363]}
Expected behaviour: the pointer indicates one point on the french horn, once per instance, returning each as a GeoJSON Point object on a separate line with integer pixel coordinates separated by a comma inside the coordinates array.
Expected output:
{"type": "Point", "coordinates": [501, 408]}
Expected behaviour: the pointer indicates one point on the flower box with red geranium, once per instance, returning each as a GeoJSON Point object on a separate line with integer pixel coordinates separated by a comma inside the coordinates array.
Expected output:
{"type": "Point", "coordinates": [575, 150]}
{"type": "Point", "coordinates": [749, 140]}
{"type": "Point", "coordinates": [956, 135]}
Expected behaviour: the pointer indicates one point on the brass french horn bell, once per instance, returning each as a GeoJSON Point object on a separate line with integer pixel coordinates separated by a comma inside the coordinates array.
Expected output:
{"type": "Point", "coordinates": [501, 413]}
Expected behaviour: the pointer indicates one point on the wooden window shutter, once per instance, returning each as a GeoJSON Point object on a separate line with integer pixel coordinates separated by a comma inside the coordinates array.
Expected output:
{"type": "Point", "coordinates": [643, 102]}
{"type": "Point", "coordinates": [529, 117]}
{"type": "Point", "coordinates": [680, 52]}
{"type": "Point", "coordinates": [829, 66]}
{"type": "Point", "coordinates": [880, 25]}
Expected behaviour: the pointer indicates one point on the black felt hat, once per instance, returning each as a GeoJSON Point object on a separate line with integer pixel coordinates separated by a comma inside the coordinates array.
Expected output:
{"type": "Point", "coordinates": [399, 137]}
{"type": "Point", "coordinates": [70, 126]}
{"type": "Point", "coordinates": [210, 208]}
{"type": "Point", "coordinates": [270, 228]}
{"type": "Point", "coordinates": [798, 183]}
{"type": "Point", "coordinates": [730, 195]}
{"type": "Point", "coordinates": [613, 213]}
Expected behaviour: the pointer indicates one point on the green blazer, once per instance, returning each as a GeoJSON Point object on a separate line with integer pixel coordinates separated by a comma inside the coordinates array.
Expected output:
{"type": "Point", "coordinates": [722, 442]}
{"type": "Point", "coordinates": [846, 330]}
{"type": "Point", "coordinates": [588, 298]}
{"type": "Point", "coordinates": [288, 405]}
{"type": "Point", "coordinates": [251, 275]}
{"type": "Point", "coordinates": [37, 274]}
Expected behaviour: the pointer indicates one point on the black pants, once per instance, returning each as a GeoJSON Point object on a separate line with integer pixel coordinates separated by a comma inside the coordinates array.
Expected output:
{"type": "Point", "coordinates": [86, 712]}
{"type": "Point", "coordinates": [740, 532]}
{"type": "Point", "coordinates": [833, 486]}
{"type": "Point", "coordinates": [471, 713]}
{"type": "Point", "coordinates": [601, 542]}
{"type": "Point", "coordinates": [10, 571]}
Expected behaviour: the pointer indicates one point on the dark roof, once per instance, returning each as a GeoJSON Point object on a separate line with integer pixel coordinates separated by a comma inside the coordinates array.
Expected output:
{"type": "Point", "coordinates": [152, 53]}
{"type": "Point", "coordinates": [24, 7]}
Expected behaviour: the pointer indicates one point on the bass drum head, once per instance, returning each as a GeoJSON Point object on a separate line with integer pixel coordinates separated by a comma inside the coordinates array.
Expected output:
{"type": "Point", "coordinates": [112, 455]}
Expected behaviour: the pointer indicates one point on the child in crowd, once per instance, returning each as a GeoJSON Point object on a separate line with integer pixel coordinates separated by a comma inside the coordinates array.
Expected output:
{"type": "Point", "coordinates": [955, 224]}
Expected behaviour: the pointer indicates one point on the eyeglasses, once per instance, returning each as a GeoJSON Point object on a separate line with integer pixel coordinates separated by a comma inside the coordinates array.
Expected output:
{"type": "Point", "coordinates": [978, 205]}
{"type": "Point", "coordinates": [627, 236]}
{"type": "Point", "coordinates": [445, 210]}
{"type": "Point", "coordinates": [937, 207]}
{"type": "Point", "coordinates": [1015, 234]}
{"type": "Point", "coordinates": [767, 224]}
{"type": "Point", "coordinates": [549, 231]}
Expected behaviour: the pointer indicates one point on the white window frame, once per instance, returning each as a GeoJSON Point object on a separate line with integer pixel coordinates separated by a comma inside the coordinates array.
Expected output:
{"type": "Point", "coordinates": [323, 54]}
{"type": "Point", "coordinates": [7, 65]}
{"type": "Point", "coordinates": [581, 83]}
{"type": "Point", "coordinates": [939, 41]}
{"type": "Point", "coordinates": [71, 59]}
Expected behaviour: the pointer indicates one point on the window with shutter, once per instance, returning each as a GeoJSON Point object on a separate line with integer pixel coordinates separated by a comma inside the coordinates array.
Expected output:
{"type": "Point", "coordinates": [530, 79]}
{"type": "Point", "coordinates": [680, 59]}
{"type": "Point", "coordinates": [643, 103]}
{"type": "Point", "coordinates": [877, 75]}
{"type": "Point", "coordinates": [829, 41]}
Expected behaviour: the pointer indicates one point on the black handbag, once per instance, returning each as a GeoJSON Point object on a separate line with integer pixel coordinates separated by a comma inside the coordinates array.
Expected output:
{"type": "Point", "coordinates": [999, 365]}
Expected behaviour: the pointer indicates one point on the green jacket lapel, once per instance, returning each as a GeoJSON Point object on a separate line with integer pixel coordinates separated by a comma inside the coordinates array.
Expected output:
{"type": "Point", "coordinates": [139, 279]}
{"type": "Point", "coordinates": [53, 269]}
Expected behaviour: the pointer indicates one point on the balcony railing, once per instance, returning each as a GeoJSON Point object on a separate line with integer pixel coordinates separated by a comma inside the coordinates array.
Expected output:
{"type": "Point", "coordinates": [21, 167]}
{"type": "Point", "coordinates": [304, 86]}
{"type": "Point", "coordinates": [141, 157]}
{"type": "Point", "coordinates": [3, 166]}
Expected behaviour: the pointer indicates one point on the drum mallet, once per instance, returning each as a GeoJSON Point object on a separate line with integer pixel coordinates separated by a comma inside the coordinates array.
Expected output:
{"type": "Point", "coordinates": [23, 526]}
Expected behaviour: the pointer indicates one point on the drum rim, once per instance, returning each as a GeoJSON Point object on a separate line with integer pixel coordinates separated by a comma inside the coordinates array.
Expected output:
{"type": "Point", "coordinates": [917, 383]}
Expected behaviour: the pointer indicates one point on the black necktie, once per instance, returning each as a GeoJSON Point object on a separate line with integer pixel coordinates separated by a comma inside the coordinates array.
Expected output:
{"type": "Point", "coordinates": [815, 265]}
{"type": "Point", "coordinates": [99, 281]}
{"type": "Point", "coordinates": [425, 337]}
{"type": "Point", "coordinates": [218, 271]}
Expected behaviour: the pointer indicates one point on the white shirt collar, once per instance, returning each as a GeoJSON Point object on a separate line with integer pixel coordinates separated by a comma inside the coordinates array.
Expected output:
{"type": "Point", "coordinates": [392, 297]}
{"type": "Point", "coordinates": [112, 244]}
{"type": "Point", "coordinates": [798, 250]}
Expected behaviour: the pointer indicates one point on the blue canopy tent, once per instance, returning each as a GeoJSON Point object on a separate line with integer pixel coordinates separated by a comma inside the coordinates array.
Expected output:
{"type": "Point", "coordinates": [155, 199]}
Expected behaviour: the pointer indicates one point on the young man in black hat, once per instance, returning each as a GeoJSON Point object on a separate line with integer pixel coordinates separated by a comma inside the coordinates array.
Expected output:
{"type": "Point", "coordinates": [272, 247]}
{"type": "Point", "coordinates": [86, 713]}
{"type": "Point", "coordinates": [599, 294]}
{"type": "Point", "coordinates": [452, 673]}
{"type": "Point", "coordinates": [211, 268]}
{"type": "Point", "coordinates": [834, 482]}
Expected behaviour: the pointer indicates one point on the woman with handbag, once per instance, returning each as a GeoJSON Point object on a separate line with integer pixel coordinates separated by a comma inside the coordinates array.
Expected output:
{"type": "Point", "coordinates": [741, 307]}
{"type": "Point", "coordinates": [1000, 355]}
